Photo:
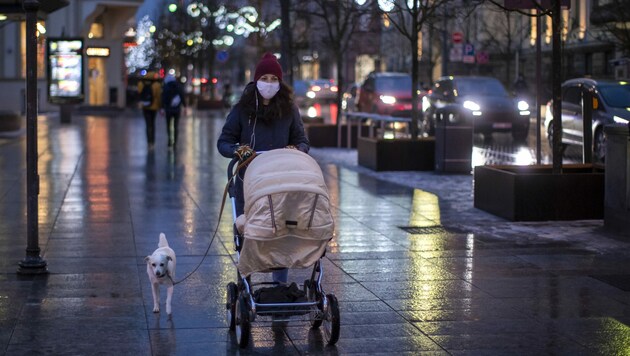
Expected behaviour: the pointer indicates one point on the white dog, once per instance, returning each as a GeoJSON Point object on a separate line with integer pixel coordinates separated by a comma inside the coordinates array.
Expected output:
{"type": "Point", "coordinates": [161, 270]}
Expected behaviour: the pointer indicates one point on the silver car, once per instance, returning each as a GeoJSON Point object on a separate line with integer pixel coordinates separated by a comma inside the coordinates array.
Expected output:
{"type": "Point", "coordinates": [611, 105]}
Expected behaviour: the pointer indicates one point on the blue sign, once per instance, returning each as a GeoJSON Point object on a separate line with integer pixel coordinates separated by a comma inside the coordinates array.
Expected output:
{"type": "Point", "coordinates": [222, 56]}
{"type": "Point", "coordinates": [469, 49]}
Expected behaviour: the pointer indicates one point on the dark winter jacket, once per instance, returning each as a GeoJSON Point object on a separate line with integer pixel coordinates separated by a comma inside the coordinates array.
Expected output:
{"type": "Point", "coordinates": [278, 133]}
{"type": "Point", "coordinates": [168, 93]}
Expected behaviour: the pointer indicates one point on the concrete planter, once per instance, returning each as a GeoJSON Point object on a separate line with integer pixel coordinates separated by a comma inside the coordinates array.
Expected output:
{"type": "Point", "coordinates": [397, 154]}
{"type": "Point", "coordinates": [10, 121]}
{"type": "Point", "coordinates": [325, 135]}
{"type": "Point", "coordinates": [617, 196]}
{"type": "Point", "coordinates": [534, 193]}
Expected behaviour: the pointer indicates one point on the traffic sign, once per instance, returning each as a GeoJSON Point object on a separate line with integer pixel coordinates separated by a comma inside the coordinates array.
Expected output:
{"type": "Point", "coordinates": [483, 57]}
{"type": "Point", "coordinates": [469, 53]}
{"type": "Point", "coordinates": [222, 56]}
{"type": "Point", "coordinates": [457, 37]}
{"type": "Point", "coordinates": [457, 53]}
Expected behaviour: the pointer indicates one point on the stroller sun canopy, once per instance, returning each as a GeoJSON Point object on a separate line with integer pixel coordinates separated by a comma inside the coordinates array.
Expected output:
{"type": "Point", "coordinates": [282, 170]}
{"type": "Point", "coordinates": [287, 220]}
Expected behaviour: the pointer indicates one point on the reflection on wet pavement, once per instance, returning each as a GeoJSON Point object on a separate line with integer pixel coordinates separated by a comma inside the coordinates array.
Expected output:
{"type": "Point", "coordinates": [415, 267]}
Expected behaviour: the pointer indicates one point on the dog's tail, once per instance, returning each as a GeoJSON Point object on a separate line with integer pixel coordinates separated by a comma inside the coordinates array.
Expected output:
{"type": "Point", "coordinates": [163, 242]}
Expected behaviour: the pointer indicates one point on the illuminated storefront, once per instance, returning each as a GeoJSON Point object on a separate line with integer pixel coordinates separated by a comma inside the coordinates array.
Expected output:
{"type": "Point", "coordinates": [101, 26]}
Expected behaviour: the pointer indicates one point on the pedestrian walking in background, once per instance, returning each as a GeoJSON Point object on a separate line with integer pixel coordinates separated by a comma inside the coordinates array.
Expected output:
{"type": "Point", "coordinates": [150, 91]}
{"type": "Point", "coordinates": [520, 88]}
{"type": "Point", "coordinates": [172, 102]}
{"type": "Point", "coordinates": [265, 118]}
{"type": "Point", "coordinates": [227, 96]}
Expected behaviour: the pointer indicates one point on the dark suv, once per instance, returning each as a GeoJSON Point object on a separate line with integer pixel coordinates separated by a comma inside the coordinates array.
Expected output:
{"type": "Point", "coordinates": [481, 101]}
{"type": "Point", "coordinates": [611, 105]}
{"type": "Point", "coordinates": [386, 93]}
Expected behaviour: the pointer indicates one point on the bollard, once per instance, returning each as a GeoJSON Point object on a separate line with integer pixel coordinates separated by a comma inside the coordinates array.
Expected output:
{"type": "Point", "coordinates": [453, 145]}
{"type": "Point", "coordinates": [617, 179]}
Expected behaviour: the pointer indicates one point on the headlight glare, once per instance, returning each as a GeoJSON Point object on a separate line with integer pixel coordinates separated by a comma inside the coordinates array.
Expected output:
{"type": "Point", "coordinates": [523, 105]}
{"type": "Point", "coordinates": [388, 99]}
{"type": "Point", "coordinates": [620, 120]}
{"type": "Point", "coordinates": [471, 105]}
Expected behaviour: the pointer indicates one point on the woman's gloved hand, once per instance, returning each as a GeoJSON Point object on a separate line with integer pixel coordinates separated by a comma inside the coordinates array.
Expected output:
{"type": "Point", "coordinates": [243, 152]}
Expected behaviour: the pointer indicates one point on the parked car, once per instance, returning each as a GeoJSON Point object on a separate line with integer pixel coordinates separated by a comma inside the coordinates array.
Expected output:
{"type": "Point", "coordinates": [322, 90]}
{"type": "Point", "coordinates": [309, 103]}
{"type": "Point", "coordinates": [386, 93]}
{"type": "Point", "coordinates": [482, 101]}
{"type": "Point", "coordinates": [300, 88]}
{"type": "Point", "coordinates": [611, 104]}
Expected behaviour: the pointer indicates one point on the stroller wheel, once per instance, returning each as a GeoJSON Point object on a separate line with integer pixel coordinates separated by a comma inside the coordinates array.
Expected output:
{"type": "Point", "coordinates": [230, 305]}
{"type": "Point", "coordinates": [242, 321]}
{"type": "Point", "coordinates": [331, 320]}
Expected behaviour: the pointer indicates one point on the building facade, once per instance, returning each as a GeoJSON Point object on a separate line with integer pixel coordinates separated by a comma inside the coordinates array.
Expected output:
{"type": "Point", "coordinates": [101, 24]}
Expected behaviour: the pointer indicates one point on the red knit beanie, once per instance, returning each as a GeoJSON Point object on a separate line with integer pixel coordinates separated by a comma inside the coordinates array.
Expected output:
{"type": "Point", "coordinates": [268, 65]}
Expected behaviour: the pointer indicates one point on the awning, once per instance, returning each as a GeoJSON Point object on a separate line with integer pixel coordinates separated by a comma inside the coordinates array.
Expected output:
{"type": "Point", "coordinates": [14, 9]}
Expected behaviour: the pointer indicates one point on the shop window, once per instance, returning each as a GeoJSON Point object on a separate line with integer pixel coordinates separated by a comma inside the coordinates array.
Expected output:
{"type": "Point", "coordinates": [96, 30]}
{"type": "Point", "coordinates": [41, 48]}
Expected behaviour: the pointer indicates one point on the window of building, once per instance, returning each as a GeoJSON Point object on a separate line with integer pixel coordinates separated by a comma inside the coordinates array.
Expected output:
{"type": "Point", "coordinates": [41, 49]}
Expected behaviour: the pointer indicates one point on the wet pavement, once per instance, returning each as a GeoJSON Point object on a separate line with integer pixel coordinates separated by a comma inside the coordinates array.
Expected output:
{"type": "Point", "coordinates": [415, 267]}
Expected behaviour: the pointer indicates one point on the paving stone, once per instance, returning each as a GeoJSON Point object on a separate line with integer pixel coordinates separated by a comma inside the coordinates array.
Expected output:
{"type": "Point", "coordinates": [415, 267]}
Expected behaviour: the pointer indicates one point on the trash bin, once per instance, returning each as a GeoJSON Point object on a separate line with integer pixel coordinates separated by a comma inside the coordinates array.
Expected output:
{"type": "Point", "coordinates": [617, 179]}
{"type": "Point", "coordinates": [453, 145]}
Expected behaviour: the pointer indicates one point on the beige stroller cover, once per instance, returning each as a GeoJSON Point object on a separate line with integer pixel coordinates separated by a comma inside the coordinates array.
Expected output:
{"type": "Point", "coordinates": [287, 220]}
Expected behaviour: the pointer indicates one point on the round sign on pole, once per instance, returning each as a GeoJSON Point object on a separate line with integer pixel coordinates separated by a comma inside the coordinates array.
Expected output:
{"type": "Point", "coordinates": [457, 37]}
{"type": "Point", "coordinates": [222, 56]}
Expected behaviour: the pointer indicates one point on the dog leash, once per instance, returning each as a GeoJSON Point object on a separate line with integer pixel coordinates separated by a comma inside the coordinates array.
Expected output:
{"type": "Point", "coordinates": [216, 230]}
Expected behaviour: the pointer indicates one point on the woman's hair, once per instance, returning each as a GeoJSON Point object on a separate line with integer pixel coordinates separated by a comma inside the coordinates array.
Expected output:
{"type": "Point", "coordinates": [279, 106]}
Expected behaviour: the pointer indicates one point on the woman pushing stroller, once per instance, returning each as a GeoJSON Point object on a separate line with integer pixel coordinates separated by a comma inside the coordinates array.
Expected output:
{"type": "Point", "coordinates": [265, 118]}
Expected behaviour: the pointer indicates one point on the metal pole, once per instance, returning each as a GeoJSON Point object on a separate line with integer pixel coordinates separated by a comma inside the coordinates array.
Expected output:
{"type": "Point", "coordinates": [445, 43]}
{"type": "Point", "coordinates": [556, 68]}
{"type": "Point", "coordinates": [32, 263]}
{"type": "Point", "coordinates": [538, 85]}
{"type": "Point", "coordinates": [286, 58]}
{"type": "Point", "coordinates": [587, 128]}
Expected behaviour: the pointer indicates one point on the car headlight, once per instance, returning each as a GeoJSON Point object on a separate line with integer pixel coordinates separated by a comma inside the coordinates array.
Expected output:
{"type": "Point", "coordinates": [388, 99]}
{"type": "Point", "coordinates": [310, 94]}
{"type": "Point", "coordinates": [311, 112]}
{"type": "Point", "coordinates": [471, 105]}
{"type": "Point", "coordinates": [620, 120]}
{"type": "Point", "coordinates": [523, 105]}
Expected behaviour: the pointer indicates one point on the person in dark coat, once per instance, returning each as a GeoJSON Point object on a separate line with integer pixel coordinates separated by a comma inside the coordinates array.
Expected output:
{"type": "Point", "coordinates": [172, 102]}
{"type": "Point", "coordinates": [265, 118]}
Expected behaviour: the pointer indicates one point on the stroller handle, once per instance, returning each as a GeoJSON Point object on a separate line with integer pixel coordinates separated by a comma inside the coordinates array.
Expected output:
{"type": "Point", "coordinates": [234, 163]}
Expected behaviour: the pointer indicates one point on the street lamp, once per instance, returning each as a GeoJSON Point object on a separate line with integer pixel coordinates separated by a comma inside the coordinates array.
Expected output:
{"type": "Point", "coordinates": [32, 263]}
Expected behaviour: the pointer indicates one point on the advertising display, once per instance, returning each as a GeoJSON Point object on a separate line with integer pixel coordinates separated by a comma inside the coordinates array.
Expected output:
{"type": "Point", "coordinates": [65, 70]}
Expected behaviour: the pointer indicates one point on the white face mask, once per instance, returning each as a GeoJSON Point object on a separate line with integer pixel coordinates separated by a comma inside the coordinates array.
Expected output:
{"type": "Point", "coordinates": [267, 90]}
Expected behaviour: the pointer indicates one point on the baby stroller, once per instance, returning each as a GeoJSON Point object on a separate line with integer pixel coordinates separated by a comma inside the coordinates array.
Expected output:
{"type": "Point", "coordinates": [286, 223]}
